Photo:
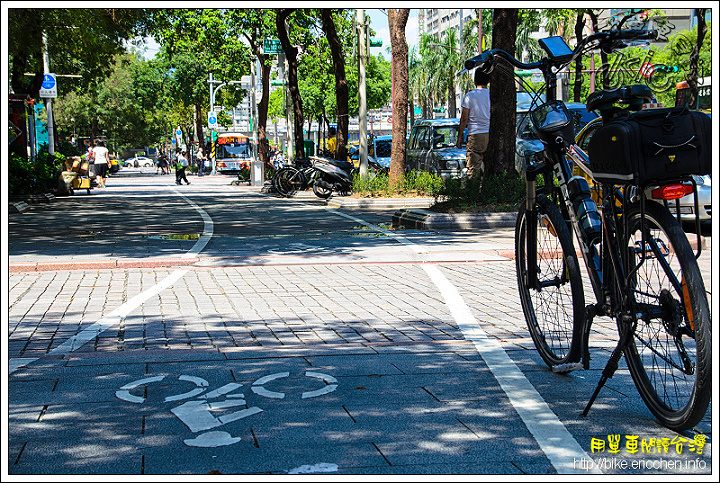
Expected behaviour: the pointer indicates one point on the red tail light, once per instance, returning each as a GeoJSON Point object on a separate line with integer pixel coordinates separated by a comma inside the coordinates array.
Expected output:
{"type": "Point", "coordinates": [672, 191]}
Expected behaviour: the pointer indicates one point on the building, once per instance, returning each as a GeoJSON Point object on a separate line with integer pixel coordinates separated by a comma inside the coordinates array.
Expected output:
{"type": "Point", "coordinates": [436, 21]}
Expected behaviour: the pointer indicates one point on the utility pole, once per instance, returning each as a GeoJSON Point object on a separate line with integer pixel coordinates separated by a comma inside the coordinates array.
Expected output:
{"type": "Point", "coordinates": [362, 51]}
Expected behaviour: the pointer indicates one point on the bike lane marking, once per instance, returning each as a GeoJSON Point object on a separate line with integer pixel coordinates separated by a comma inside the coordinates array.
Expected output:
{"type": "Point", "coordinates": [549, 432]}
{"type": "Point", "coordinates": [119, 314]}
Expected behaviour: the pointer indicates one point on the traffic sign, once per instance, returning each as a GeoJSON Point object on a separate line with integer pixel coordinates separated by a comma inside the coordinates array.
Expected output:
{"type": "Point", "coordinates": [272, 46]}
{"type": "Point", "coordinates": [212, 119]}
{"type": "Point", "coordinates": [49, 86]}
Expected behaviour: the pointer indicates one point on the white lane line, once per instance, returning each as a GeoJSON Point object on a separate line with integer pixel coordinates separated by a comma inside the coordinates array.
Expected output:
{"type": "Point", "coordinates": [119, 314]}
{"type": "Point", "coordinates": [208, 228]}
{"type": "Point", "coordinates": [552, 436]}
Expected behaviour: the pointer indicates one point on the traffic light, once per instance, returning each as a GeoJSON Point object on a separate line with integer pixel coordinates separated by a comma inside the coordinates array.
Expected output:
{"type": "Point", "coordinates": [438, 109]}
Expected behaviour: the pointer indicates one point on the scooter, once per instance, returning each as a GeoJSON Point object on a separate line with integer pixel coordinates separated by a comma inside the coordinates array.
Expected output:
{"type": "Point", "coordinates": [332, 175]}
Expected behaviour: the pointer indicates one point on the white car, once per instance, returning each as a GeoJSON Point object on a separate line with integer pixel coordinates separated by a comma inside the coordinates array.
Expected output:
{"type": "Point", "coordinates": [139, 161]}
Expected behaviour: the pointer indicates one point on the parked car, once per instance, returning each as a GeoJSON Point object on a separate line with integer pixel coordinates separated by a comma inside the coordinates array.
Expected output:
{"type": "Point", "coordinates": [527, 144]}
{"type": "Point", "coordinates": [687, 203]}
{"type": "Point", "coordinates": [431, 147]}
{"type": "Point", "coordinates": [379, 148]}
{"type": "Point", "coordinates": [139, 161]}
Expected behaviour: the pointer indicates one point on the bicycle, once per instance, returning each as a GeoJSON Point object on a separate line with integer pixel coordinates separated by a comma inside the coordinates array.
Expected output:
{"type": "Point", "coordinates": [290, 179]}
{"type": "Point", "coordinates": [641, 267]}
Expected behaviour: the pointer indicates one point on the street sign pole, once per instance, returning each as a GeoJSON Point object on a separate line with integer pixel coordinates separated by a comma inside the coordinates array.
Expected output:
{"type": "Point", "coordinates": [50, 128]}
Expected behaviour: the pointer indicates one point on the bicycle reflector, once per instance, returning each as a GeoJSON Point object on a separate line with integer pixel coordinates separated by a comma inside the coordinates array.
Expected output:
{"type": "Point", "coordinates": [672, 191]}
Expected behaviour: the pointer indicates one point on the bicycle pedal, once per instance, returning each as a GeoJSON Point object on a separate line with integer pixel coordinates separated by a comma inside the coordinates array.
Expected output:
{"type": "Point", "coordinates": [566, 368]}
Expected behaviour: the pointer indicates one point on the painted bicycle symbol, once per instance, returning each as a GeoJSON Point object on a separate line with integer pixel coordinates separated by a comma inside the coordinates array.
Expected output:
{"type": "Point", "coordinates": [197, 414]}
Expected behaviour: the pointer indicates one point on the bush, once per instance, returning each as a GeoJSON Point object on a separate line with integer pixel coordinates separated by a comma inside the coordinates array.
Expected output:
{"type": "Point", "coordinates": [414, 184]}
{"type": "Point", "coordinates": [28, 178]}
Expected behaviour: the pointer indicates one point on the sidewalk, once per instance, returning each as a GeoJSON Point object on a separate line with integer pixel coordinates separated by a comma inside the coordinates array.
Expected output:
{"type": "Point", "coordinates": [298, 339]}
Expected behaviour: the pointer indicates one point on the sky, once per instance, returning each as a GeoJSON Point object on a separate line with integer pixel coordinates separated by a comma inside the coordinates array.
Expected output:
{"type": "Point", "coordinates": [378, 22]}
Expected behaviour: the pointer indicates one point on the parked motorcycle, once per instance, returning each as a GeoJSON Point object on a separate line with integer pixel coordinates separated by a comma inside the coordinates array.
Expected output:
{"type": "Point", "coordinates": [332, 175]}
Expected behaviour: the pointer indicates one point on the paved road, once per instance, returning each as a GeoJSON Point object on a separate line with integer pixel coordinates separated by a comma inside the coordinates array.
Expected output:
{"type": "Point", "coordinates": [163, 329]}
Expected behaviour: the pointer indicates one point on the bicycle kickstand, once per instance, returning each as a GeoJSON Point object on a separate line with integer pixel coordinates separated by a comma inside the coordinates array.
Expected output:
{"type": "Point", "coordinates": [612, 364]}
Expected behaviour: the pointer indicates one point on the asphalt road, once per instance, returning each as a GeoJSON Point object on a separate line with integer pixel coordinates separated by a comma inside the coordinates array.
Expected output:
{"type": "Point", "coordinates": [210, 328]}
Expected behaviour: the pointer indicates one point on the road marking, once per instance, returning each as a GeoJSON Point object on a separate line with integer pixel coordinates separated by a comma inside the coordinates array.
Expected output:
{"type": "Point", "coordinates": [552, 436]}
{"type": "Point", "coordinates": [119, 314]}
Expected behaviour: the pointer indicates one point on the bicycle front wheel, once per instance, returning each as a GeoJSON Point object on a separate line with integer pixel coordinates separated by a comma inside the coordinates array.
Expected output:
{"type": "Point", "coordinates": [288, 180]}
{"type": "Point", "coordinates": [670, 359]}
{"type": "Point", "coordinates": [554, 307]}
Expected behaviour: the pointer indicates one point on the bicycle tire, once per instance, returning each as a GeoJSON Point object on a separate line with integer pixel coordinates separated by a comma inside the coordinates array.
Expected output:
{"type": "Point", "coordinates": [288, 180]}
{"type": "Point", "coordinates": [677, 396]}
{"type": "Point", "coordinates": [554, 314]}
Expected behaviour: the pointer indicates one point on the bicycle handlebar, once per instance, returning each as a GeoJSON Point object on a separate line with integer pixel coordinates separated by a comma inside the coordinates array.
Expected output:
{"type": "Point", "coordinates": [609, 38]}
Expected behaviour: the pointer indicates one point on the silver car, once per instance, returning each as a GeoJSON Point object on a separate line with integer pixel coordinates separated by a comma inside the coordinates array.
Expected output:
{"type": "Point", "coordinates": [431, 147]}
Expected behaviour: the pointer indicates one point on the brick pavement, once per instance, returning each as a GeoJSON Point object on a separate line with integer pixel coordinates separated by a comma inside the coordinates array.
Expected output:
{"type": "Point", "coordinates": [413, 395]}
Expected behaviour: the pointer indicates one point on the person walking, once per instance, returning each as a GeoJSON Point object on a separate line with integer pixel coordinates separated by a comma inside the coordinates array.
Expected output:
{"type": "Point", "coordinates": [476, 117]}
{"type": "Point", "coordinates": [102, 163]}
{"type": "Point", "coordinates": [182, 164]}
{"type": "Point", "coordinates": [201, 161]}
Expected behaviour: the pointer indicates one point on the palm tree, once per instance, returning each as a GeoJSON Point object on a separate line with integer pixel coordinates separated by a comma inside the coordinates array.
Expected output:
{"type": "Point", "coordinates": [445, 59]}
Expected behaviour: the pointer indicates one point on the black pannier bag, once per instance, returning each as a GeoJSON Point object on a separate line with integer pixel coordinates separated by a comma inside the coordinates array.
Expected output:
{"type": "Point", "coordinates": [652, 145]}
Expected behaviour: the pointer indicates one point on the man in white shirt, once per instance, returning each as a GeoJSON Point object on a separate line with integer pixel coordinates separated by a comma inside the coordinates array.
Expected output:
{"type": "Point", "coordinates": [476, 116]}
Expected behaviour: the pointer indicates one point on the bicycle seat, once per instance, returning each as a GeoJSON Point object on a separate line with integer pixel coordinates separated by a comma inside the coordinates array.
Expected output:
{"type": "Point", "coordinates": [635, 96]}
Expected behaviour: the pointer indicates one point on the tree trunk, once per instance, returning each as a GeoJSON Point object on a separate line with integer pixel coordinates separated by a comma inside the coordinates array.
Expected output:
{"type": "Point", "coordinates": [452, 107]}
{"type": "Point", "coordinates": [577, 86]}
{"type": "Point", "coordinates": [341, 87]}
{"type": "Point", "coordinates": [265, 68]}
{"type": "Point", "coordinates": [695, 58]}
{"type": "Point", "coordinates": [291, 53]}
{"type": "Point", "coordinates": [397, 20]}
{"type": "Point", "coordinates": [500, 156]}
{"type": "Point", "coordinates": [605, 66]}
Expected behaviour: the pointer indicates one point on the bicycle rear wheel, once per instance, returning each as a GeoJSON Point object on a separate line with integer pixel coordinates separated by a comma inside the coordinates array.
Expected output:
{"type": "Point", "coordinates": [288, 180]}
{"type": "Point", "coordinates": [670, 359]}
{"type": "Point", "coordinates": [554, 308]}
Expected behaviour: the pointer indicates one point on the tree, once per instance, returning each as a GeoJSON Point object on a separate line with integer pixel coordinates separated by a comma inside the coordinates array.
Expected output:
{"type": "Point", "coordinates": [257, 25]}
{"type": "Point", "coordinates": [341, 87]}
{"type": "Point", "coordinates": [695, 56]}
{"type": "Point", "coordinates": [500, 156]}
{"type": "Point", "coordinates": [79, 41]}
{"type": "Point", "coordinates": [397, 20]}
{"type": "Point", "coordinates": [291, 53]}
{"type": "Point", "coordinates": [196, 42]}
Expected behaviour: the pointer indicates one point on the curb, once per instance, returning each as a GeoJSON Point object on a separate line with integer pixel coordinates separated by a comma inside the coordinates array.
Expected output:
{"type": "Point", "coordinates": [425, 219]}
{"type": "Point", "coordinates": [101, 264]}
{"type": "Point", "coordinates": [379, 203]}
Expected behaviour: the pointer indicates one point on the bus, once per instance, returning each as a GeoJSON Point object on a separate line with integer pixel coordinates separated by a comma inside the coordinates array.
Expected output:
{"type": "Point", "coordinates": [232, 152]}
{"type": "Point", "coordinates": [703, 101]}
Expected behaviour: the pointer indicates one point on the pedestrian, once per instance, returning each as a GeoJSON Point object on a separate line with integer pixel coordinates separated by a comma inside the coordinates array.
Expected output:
{"type": "Point", "coordinates": [102, 163]}
{"type": "Point", "coordinates": [201, 161]}
{"type": "Point", "coordinates": [476, 116]}
{"type": "Point", "coordinates": [332, 142]}
{"type": "Point", "coordinates": [182, 164]}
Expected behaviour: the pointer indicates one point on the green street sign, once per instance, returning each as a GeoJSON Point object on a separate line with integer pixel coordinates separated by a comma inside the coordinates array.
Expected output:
{"type": "Point", "coordinates": [375, 42]}
{"type": "Point", "coordinates": [276, 83]}
{"type": "Point", "coordinates": [272, 46]}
